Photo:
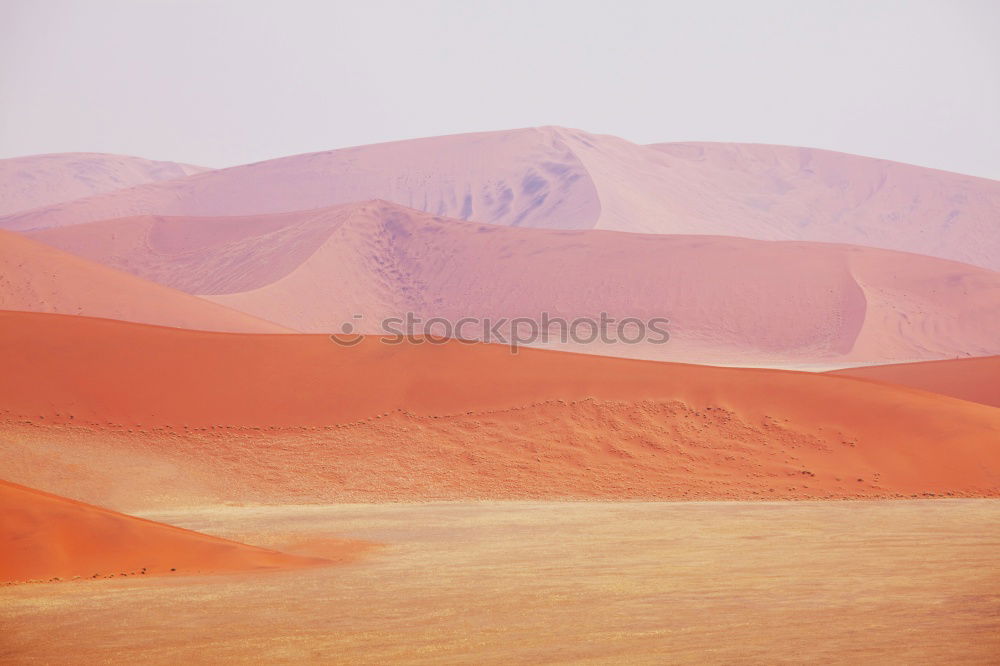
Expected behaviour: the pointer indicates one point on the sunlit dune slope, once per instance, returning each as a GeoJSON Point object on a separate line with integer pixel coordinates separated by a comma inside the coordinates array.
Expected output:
{"type": "Point", "coordinates": [38, 278]}
{"type": "Point", "coordinates": [44, 536]}
{"type": "Point", "coordinates": [277, 418]}
{"type": "Point", "coordinates": [975, 379]}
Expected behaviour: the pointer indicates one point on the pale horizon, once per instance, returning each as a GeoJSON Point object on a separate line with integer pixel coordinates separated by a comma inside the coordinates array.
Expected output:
{"type": "Point", "coordinates": [219, 84]}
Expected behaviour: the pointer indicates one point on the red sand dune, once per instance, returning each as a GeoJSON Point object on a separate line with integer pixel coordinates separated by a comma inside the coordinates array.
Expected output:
{"type": "Point", "coordinates": [38, 278]}
{"type": "Point", "coordinates": [975, 379]}
{"type": "Point", "coordinates": [280, 418]}
{"type": "Point", "coordinates": [562, 178]}
{"type": "Point", "coordinates": [42, 180]}
{"type": "Point", "coordinates": [43, 537]}
{"type": "Point", "coordinates": [729, 300]}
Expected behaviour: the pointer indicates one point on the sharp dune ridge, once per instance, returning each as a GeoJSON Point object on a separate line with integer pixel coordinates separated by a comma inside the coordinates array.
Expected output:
{"type": "Point", "coordinates": [729, 300]}
{"type": "Point", "coordinates": [974, 379]}
{"type": "Point", "coordinates": [39, 278]}
{"type": "Point", "coordinates": [564, 178]}
{"type": "Point", "coordinates": [280, 418]}
{"type": "Point", "coordinates": [48, 538]}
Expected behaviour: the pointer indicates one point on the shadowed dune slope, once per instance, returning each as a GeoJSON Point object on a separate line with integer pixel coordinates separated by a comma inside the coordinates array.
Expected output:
{"type": "Point", "coordinates": [43, 180]}
{"type": "Point", "coordinates": [299, 416]}
{"type": "Point", "coordinates": [568, 179]}
{"type": "Point", "coordinates": [975, 379]}
{"type": "Point", "coordinates": [729, 300]}
{"type": "Point", "coordinates": [38, 278]}
{"type": "Point", "coordinates": [44, 536]}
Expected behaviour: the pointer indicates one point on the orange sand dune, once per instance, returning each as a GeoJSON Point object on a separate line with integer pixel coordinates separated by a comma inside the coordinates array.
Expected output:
{"type": "Point", "coordinates": [733, 301]}
{"type": "Point", "coordinates": [301, 417]}
{"type": "Point", "coordinates": [38, 278]}
{"type": "Point", "coordinates": [559, 178]}
{"type": "Point", "coordinates": [975, 379]}
{"type": "Point", "coordinates": [44, 537]}
{"type": "Point", "coordinates": [42, 180]}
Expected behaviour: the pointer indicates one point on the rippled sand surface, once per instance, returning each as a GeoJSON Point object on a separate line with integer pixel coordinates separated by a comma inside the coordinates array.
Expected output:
{"type": "Point", "coordinates": [905, 582]}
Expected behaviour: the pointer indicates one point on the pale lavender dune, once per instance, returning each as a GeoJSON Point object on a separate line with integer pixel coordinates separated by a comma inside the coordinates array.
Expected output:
{"type": "Point", "coordinates": [729, 300]}
{"type": "Point", "coordinates": [526, 177]}
{"type": "Point", "coordinates": [567, 179]}
{"type": "Point", "coordinates": [811, 194]}
{"type": "Point", "coordinates": [43, 180]}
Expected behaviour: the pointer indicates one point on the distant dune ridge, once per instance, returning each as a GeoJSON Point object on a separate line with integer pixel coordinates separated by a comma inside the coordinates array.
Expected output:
{"type": "Point", "coordinates": [284, 418]}
{"type": "Point", "coordinates": [39, 278]}
{"type": "Point", "coordinates": [562, 178]}
{"type": "Point", "coordinates": [46, 537]}
{"type": "Point", "coordinates": [43, 180]}
{"type": "Point", "coordinates": [975, 379]}
{"type": "Point", "coordinates": [729, 300]}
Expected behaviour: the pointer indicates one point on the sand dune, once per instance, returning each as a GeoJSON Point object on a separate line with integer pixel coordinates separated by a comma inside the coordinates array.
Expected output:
{"type": "Point", "coordinates": [43, 180]}
{"type": "Point", "coordinates": [174, 414]}
{"type": "Point", "coordinates": [46, 537]}
{"type": "Point", "coordinates": [567, 179]}
{"type": "Point", "coordinates": [38, 278]}
{"type": "Point", "coordinates": [975, 379]}
{"type": "Point", "coordinates": [729, 300]}
{"type": "Point", "coordinates": [785, 192]}
{"type": "Point", "coordinates": [523, 178]}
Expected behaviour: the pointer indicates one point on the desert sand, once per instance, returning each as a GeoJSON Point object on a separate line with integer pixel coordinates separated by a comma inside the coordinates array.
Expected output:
{"type": "Point", "coordinates": [975, 379]}
{"type": "Point", "coordinates": [38, 278]}
{"type": "Point", "coordinates": [285, 418]}
{"type": "Point", "coordinates": [732, 301]}
{"type": "Point", "coordinates": [50, 538]}
{"type": "Point", "coordinates": [908, 582]}
{"type": "Point", "coordinates": [43, 180]}
{"type": "Point", "coordinates": [564, 178]}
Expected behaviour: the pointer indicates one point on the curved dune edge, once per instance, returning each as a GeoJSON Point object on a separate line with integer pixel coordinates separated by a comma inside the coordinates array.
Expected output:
{"type": "Point", "coordinates": [203, 417]}
{"type": "Point", "coordinates": [44, 537]}
{"type": "Point", "coordinates": [973, 379]}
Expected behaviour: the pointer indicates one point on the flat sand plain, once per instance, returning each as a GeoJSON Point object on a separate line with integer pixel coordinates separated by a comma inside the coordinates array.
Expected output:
{"type": "Point", "coordinates": [905, 582]}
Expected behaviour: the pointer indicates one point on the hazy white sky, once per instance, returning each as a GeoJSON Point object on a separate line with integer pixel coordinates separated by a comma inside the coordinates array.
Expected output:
{"type": "Point", "coordinates": [223, 82]}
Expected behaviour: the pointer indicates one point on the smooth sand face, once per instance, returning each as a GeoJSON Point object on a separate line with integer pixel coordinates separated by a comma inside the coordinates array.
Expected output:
{"type": "Point", "coordinates": [51, 538]}
{"type": "Point", "coordinates": [38, 278]}
{"type": "Point", "coordinates": [845, 583]}
{"type": "Point", "coordinates": [975, 379]}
